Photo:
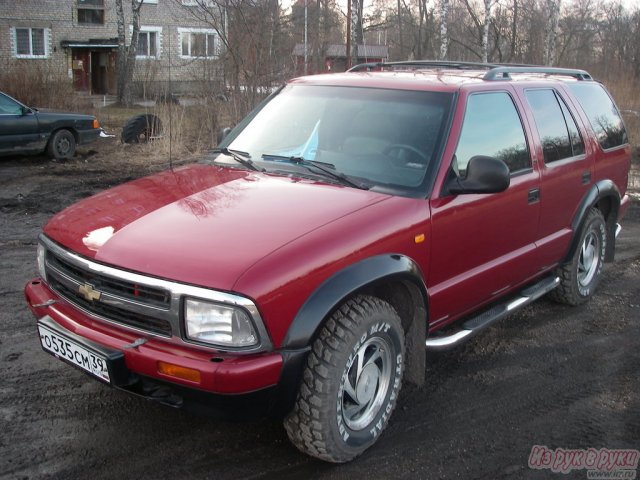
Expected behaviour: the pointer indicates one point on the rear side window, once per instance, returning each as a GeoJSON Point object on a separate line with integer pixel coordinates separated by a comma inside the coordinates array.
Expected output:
{"type": "Point", "coordinates": [492, 127]}
{"type": "Point", "coordinates": [603, 114]}
{"type": "Point", "coordinates": [557, 129]}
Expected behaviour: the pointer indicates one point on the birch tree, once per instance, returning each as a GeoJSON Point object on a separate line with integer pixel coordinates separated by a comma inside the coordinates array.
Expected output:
{"type": "Point", "coordinates": [444, 36]}
{"type": "Point", "coordinates": [485, 30]}
{"type": "Point", "coordinates": [549, 56]}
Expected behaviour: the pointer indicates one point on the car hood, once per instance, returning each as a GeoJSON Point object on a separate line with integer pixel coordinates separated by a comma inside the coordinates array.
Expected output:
{"type": "Point", "coordinates": [200, 224]}
{"type": "Point", "coordinates": [54, 115]}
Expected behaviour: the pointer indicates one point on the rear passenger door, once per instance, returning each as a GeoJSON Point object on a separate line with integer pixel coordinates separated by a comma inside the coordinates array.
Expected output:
{"type": "Point", "coordinates": [482, 245]}
{"type": "Point", "coordinates": [566, 170]}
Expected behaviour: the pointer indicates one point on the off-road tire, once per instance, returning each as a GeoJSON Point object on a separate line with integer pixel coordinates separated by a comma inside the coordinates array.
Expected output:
{"type": "Point", "coordinates": [320, 424]}
{"type": "Point", "coordinates": [577, 281]}
{"type": "Point", "coordinates": [62, 145]}
{"type": "Point", "coordinates": [141, 129]}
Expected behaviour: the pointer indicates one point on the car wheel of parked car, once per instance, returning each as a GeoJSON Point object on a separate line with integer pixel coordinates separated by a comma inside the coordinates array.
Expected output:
{"type": "Point", "coordinates": [351, 381]}
{"type": "Point", "coordinates": [580, 277]}
{"type": "Point", "coordinates": [141, 129]}
{"type": "Point", "coordinates": [62, 145]}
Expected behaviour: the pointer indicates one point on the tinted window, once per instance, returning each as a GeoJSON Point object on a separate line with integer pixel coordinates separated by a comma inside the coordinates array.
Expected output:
{"type": "Point", "coordinates": [492, 127]}
{"type": "Point", "coordinates": [576, 140]}
{"type": "Point", "coordinates": [602, 112]}
{"type": "Point", "coordinates": [9, 107]}
{"type": "Point", "coordinates": [558, 132]}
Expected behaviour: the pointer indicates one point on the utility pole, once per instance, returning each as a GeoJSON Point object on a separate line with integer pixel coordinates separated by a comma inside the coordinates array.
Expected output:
{"type": "Point", "coordinates": [306, 43]}
{"type": "Point", "coordinates": [348, 49]}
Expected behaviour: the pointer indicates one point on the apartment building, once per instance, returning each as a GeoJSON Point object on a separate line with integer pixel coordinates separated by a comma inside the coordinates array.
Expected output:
{"type": "Point", "coordinates": [77, 39]}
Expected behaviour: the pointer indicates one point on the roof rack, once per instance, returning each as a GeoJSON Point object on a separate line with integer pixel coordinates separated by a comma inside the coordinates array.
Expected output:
{"type": "Point", "coordinates": [503, 72]}
{"type": "Point", "coordinates": [422, 63]}
{"type": "Point", "coordinates": [496, 71]}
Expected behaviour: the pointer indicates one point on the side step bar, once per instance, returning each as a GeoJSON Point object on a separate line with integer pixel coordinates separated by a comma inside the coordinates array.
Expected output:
{"type": "Point", "coordinates": [476, 324]}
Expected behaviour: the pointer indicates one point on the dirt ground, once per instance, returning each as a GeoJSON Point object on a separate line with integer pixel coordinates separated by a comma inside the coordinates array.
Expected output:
{"type": "Point", "coordinates": [548, 375]}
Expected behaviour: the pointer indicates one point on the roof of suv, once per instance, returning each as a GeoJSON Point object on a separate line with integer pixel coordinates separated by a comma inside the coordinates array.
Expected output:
{"type": "Point", "coordinates": [439, 76]}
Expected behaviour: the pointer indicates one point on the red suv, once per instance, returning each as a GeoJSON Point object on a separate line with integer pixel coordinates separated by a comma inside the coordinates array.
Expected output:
{"type": "Point", "coordinates": [350, 221]}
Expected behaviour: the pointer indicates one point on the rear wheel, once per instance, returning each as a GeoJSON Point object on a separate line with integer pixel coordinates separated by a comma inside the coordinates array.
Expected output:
{"type": "Point", "coordinates": [351, 381]}
{"type": "Point", "coordinates": [62, 145]}
{"type": "Point", "coordinates": [580, 277]}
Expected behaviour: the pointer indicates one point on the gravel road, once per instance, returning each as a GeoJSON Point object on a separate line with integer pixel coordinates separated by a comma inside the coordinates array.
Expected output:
{"type": "Point", "coordinates": [548, 375]}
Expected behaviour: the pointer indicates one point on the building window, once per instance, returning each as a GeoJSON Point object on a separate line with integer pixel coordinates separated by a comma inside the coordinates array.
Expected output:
{"type": "Point", "coordinates": [31, 42]}
{"type": "Point", "coordinates": [149, 42]}
{"type": "Point", "coordinates": [198, 3]}
{"type": "Point", "coordinates": [198, 43]}
{"type": "Point", "coordinates": [91, 11]}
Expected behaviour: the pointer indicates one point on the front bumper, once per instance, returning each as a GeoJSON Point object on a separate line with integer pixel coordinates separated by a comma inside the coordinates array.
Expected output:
{"type": "Point", "coordinates": [220, 373]}
{"type": "Point", "coordinates": [89, 136]}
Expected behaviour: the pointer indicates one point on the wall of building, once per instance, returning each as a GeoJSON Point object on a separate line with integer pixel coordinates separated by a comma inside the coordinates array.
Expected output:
{"type": "Point", "coordinates": [165, 23]}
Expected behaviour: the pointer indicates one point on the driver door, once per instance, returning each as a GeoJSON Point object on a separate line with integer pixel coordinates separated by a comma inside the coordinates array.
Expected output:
{"type": "Point", "coordinates": [18, 131]}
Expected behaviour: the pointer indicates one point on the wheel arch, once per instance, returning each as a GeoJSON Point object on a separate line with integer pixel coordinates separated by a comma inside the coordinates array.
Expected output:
{"type": "Point", "coordinates": [605, 196]}
{"type": "Point", "coordinates": [68, 128]}
{"type": "Point", "coordinates": [393, 278]}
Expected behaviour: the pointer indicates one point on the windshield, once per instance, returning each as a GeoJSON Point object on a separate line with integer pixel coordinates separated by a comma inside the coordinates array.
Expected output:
{"type": "Point", "coordinates": [386, 138]}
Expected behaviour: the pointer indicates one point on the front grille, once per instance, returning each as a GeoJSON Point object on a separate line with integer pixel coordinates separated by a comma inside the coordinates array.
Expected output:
{"type": "Point", "coordinates": [115, 314]}
{"type": "Point", "coordinates": [156, 297]}
{"type": "Point", "coordinates": [120, 301]}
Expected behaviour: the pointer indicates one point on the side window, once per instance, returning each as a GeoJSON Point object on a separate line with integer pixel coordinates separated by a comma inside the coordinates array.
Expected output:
{"type": "Point", "coordinates": [492, 127]}
{"type": "Point", "coordinates": [574, 135]}
{"type": "Point", "coordinates": [556, 127]}
{"type": "Point", "coordinates": [602, 113]}
{"type": "Point", "coordinates": [9, 107]}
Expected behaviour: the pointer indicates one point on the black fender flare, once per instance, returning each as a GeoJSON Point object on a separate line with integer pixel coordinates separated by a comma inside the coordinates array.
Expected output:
{"type": "Point", "coordinates": [330, 294]}
{"type": "Point", "coordinates": [604, 189]}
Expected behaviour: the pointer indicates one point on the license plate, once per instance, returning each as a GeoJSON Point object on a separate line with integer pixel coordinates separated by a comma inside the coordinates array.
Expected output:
{"type": "Point", "coordinates": [70, 351]}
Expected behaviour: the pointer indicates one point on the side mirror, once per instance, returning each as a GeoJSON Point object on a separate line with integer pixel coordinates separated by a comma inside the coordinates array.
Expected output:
{"type": "Point", "coordinates": [25, 110]}
{"type": "Point", "coordinates": [484, 175]}
{"type": "Point", "coordinates": [223, 133]}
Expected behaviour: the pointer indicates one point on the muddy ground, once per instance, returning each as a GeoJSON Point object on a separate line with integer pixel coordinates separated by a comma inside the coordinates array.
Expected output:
{"type": "Point", "coordinates": [549, 375]}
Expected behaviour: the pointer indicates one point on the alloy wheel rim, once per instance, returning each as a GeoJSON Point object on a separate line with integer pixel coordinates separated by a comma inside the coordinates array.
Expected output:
{"type": "Point", "coordinates": [589, 259]}
{"type": "Point", "coordinates": [366, 384]}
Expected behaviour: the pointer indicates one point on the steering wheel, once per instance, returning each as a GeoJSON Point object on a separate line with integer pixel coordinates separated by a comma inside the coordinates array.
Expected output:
{"type": "Point", "coordinates": [401, 159]}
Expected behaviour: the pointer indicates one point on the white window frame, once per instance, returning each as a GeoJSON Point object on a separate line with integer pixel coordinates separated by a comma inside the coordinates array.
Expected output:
{"type": "Point", "coordinates": [206, 31]}
{"type": "Point", "coordinates": [150, 29]}
{"type": "Point", "coordinates": [198, 3]}
{"type": "Point", "coordinates": [150, 2]}
{"type": "Point", "coordinates": [46, 40]}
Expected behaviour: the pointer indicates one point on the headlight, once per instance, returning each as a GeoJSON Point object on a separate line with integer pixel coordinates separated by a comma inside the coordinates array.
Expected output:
{"type": "Point", "coordinates": [41, 254]}
{"type": "Point", "coordinates": [222, 325]}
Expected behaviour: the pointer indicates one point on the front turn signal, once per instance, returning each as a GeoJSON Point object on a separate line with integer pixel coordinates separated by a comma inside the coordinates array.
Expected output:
{"type": "Point", "coordinates": [96, 123]}
{"type": "Point", "coordinates": [179, 372]}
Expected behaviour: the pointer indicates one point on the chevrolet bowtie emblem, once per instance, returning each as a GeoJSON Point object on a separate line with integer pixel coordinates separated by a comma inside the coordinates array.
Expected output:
{"type": "Point", "coordinates": [89, 293]}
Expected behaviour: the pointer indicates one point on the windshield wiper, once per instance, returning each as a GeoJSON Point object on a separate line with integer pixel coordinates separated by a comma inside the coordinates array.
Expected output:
{"type": "Point", "coordinates": [241, 157]}
{"type": "Point", "coordinates": [327, 169]}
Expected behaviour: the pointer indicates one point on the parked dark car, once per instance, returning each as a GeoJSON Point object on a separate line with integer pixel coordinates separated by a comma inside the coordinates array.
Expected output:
{"type": "Point", "coordinates": [25, 130]}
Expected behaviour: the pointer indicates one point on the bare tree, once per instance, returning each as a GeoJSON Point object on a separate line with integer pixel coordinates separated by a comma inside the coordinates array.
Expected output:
{"type": "Point", "coordinates": [553, 6]}
{"type": "Point", "coordinates": [127, 54]}
{"type": "Point", "coordinates": [444, 35]}
{"type": "Point", "coordinates": [485, 30]}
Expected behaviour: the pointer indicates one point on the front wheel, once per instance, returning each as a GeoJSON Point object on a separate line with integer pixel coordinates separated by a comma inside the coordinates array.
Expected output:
{"type": "Point", "coordinates": [580, 277]}
{"type": "Point", "coordinates": [351, 381]}
{"type": "Point", "coordinates": [62, 145]}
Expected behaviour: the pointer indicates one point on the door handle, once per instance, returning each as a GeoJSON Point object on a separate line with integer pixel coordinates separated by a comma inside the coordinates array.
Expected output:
{"type": "Point", "coordinates": [533, 196]}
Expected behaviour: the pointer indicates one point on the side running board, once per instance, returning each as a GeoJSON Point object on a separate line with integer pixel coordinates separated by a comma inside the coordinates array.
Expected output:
{"type": "Point", "coordinates": [476, 324]}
